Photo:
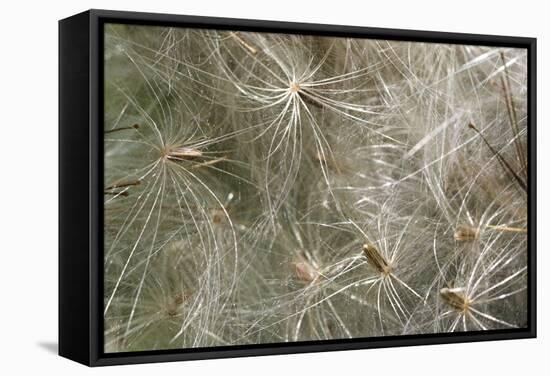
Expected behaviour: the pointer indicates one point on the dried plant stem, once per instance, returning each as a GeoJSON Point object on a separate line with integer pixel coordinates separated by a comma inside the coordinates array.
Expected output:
{"type": "Point", "coordinates": [210, 163]}
{"type": "Point", "coordinates": [111, 189]}
{"type": "Point", "coordinates": [501, 160]}
{"type": "Point", "coordinates": [237, 36]}
{"type": "Point", "coordinates": [116, 193]}
{"type": "Point", "coordinates": [135, 126]}
{"type": "Point", "coordinates": [123, 184]}
{"type": "Point", "coordinates": [512, 114]}
{"type": "Point", "coordinates": [508, 229]}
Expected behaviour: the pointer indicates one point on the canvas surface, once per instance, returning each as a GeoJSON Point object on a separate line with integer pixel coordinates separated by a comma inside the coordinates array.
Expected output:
{"type": "Point", "coordinates": [270, 188]}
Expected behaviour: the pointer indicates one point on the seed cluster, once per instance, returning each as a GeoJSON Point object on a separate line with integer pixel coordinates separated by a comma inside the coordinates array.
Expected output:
{"type": "Point", "coordinates": [270, 188]}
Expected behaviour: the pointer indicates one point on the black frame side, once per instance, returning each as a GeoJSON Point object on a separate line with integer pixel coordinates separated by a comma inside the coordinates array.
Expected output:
{"type": "Point", "coordinates": [81, 174]}
{"type": "Point", "coordinates": [532, 184]}
{"type": "Point", "coordinates": [74, 188]}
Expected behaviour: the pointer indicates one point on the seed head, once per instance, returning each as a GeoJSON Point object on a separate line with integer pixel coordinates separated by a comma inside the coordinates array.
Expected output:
{"type": "Point", "coordinates": [181, 153]}
{"type": "Point", "coordinates": [466, 233]}
{"type": "Point", "coordinates": [294, 87]}
{"type": "Point", "coordinates": [455, 298]}
{"type": "Point", "coordinates": [377, 260]}
{"type": "Point", "coordinates": [305, 271]}
{"type": "Point", "coordinates": [173, 307]}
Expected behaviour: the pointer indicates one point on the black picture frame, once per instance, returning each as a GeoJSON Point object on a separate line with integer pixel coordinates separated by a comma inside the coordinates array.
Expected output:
{"type": "Point", "coordinates": [81, 187]}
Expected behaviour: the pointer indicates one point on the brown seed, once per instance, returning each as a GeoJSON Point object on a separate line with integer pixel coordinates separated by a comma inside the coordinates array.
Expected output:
{"type": "Point", "coordinates": [465, 233]}
{"type": "Point", "coordinates": [305, 272]}
{"type": "Point", "coordinates": [455, 298]}
{"type": "Point", "coordinates": [218, 216]}
{"type": "Point", "coordinates": [183, 153]}
{"type": "Point", "coordinates": [377, 260]}
{"type": "Point", "coordinates": [174, 306]}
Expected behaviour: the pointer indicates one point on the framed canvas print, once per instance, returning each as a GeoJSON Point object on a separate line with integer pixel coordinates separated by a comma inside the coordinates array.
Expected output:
{"type": "Point", "coordinates": [237, 187]}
